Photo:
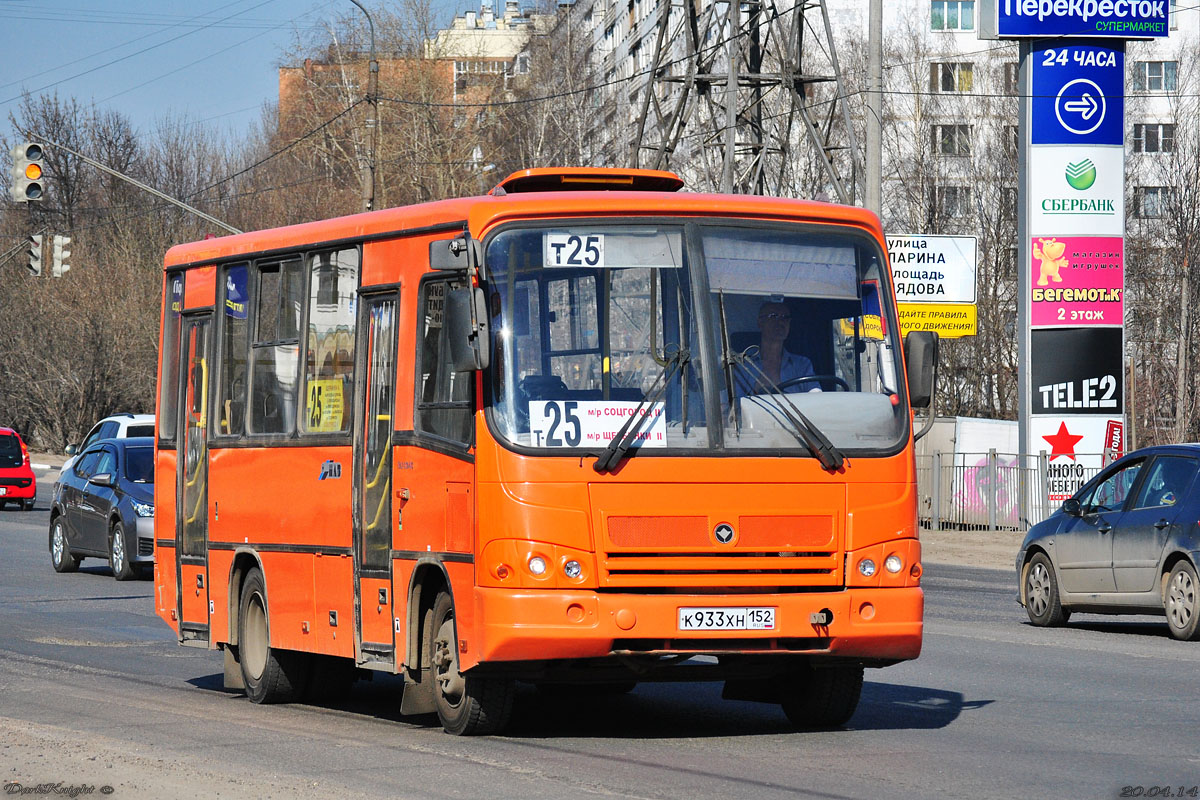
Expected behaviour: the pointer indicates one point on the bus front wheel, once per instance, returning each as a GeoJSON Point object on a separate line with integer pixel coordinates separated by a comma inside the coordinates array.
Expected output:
{"type": "Point", "coordinates": [270, 675]}
{"type": "Point", "coordinates": [823, 698]}
{"type": "Point", "coordinates": [466, 705]}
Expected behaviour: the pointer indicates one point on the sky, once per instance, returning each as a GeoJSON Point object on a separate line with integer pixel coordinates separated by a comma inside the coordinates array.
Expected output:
{"type": "Point", "coordinates": [212, 60]}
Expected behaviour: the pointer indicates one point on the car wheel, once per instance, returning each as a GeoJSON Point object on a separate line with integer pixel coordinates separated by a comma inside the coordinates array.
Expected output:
{"type": "Point", "coordinates": [820, 699]}
{"type": "Point", "coordinates": [467, 705]}
{"type": "Point", "coordinates": [270, 675]}
{"type": "Point", "coordinates": [60, 554]}
{"type": "Point", "coordinates": [1180, 602]}
{"type": "Point", "coordinates": [1041, 594]}
{"type": "Point", "coordinates": [118, 555]}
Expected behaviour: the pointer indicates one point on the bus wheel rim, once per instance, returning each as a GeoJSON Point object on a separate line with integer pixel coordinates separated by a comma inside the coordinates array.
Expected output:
{"type": "Point", "coordinates": [254, 647]}
{"type": "Point", "coordinates": [445, 660]}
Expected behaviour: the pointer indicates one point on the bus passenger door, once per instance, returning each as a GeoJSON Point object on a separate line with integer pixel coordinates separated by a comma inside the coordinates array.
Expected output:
{"type": "Point", "coordinates": [374, 633]}
{"type": "Point", "coordinates": [191, 511]}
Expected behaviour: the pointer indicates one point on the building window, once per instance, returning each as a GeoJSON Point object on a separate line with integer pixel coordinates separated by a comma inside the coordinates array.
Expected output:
{"type": "Point", "coordinates": [1011, 142]}
{"type": "Point", "coordinates": [1012, 77]}
{"type": "Point", "coordinates": [952, 15]}
{"type": "Point", "coordinates": [1155, 76]}
{"type": "Point", "coordinates": [1174, 15]}
{"type": "Point", "coordinates": [1154, 138]}
{"type": "Point", "coordinates": [952, 140]}
{"type": "Point", "coordinates": [1150, 202]}
{"type": "Point", "coordinates": [1008, 202]}
{"type": "Point", "coordinates": [951, 77]}
{"type": "Point", "coordinates": [952, 202]}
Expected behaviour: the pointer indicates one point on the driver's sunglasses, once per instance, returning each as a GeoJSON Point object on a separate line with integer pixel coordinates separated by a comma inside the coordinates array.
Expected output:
{"type": "Point", "coordinates": [775, 315]}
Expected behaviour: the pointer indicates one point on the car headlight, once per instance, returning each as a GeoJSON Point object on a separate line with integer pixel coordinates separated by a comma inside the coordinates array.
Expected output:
{"type": "Point", "coordinates": [143, 509]}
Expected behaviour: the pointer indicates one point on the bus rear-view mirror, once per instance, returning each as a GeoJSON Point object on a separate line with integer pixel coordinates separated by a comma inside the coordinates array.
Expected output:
{"type": "Point", "coordinates": [920, 363]}
{"type": "Point", "coordinates": [454, 255]}
{"type": "Point", "coordinates": [466, 321]}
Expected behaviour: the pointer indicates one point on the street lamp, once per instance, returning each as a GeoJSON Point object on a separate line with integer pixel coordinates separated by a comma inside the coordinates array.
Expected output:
{"type": "Point", "coordinates": [372, 98]}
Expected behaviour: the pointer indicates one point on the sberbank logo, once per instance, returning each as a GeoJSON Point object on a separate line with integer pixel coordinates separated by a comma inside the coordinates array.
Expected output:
{"type": "Point", "coordinates": [1081, 174]}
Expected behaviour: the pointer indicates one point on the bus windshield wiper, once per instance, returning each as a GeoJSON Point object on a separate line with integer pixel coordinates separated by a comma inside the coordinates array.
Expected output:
{"type": "Point", "coordinates": [802, 427]}
{"type": "Point", "coordinates": [622, 440]}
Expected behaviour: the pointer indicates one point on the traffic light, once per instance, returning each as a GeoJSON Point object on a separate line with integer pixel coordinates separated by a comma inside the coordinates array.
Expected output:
{"type": "Point", "coordinates": [61, 254]}
{"type": "Point", "coordinates": [27, 172]}
{"type": "Point", "coordinates": [35, 254]}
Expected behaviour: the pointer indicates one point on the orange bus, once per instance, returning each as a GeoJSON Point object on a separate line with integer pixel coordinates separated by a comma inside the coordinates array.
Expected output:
{"type": "Point", "coordinates": [584, 431]}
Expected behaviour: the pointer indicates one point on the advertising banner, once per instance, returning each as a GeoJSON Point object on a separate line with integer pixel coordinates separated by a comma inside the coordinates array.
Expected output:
{"type": "Point", "coordinates": [1077, 371]}
{"type": "Point", "coordinates": [1078, 93]}
{"type": "Point", "coordinates": [1122, 19]}
{"type": "Point", "coordinates": [933, 269]}
{"type": "Point", "coordinates": [1076, 190]}
{"type": "Point", "coordinates": [1075, 448]}
{"type": "Point", "coordinates": [1077, 281]}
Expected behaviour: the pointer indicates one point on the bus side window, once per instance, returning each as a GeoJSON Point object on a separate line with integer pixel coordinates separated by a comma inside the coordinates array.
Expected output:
{"type": "Point", "coordinates": [276, 347]}
{"type": "Point", "coordinates": [445, 399]}
{"type": "Point", "coordinates": [235, 344]}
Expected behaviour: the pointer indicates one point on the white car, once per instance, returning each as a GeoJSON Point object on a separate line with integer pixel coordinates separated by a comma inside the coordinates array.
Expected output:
{"type": "Point", "coordinates": [118, 426]}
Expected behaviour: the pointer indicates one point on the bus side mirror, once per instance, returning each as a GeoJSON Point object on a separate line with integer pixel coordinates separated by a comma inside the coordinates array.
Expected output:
{"type": "Point", "coordinates": [920, 363]}
{"type": "Point", "coordinates": [455, 255]}
{"type": "Point", "coordinates": [466, 321]}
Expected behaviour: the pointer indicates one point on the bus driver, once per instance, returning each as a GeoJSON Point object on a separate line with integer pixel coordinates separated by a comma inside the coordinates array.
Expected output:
{"type": "Point", "coordinates": [776, 362]}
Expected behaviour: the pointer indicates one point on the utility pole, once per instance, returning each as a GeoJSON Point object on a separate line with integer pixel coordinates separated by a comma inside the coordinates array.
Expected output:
{"type": "Point", "coordinates": [874, 154]}
{"type": "Point", "coordinates": [372, 122]}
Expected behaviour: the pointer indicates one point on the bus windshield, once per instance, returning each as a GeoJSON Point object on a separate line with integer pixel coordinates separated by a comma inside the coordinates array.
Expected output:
{"type": "Point", "coordinates": [779, 329]}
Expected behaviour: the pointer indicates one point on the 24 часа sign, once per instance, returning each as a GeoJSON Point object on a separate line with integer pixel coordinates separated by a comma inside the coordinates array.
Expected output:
{"type": "Point", "coordinates": [1122, 19]}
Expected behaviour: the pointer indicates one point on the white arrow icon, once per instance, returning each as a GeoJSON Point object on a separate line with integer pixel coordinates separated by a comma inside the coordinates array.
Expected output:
{"type": "Point", "coordinates": [1085, 98]}
{"type": "Point", "coordinates": [1087, 107]}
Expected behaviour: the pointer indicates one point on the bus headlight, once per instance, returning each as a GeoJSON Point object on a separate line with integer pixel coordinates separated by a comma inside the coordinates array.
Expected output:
{"type": "Point", "coordinates": [866, 567]}
{"type": "Point", "coordinates": [893, 563]}
{"type": "Point", "coordinates": [537, 565]}
{"type": "Point", "coordinates": [572, 569]}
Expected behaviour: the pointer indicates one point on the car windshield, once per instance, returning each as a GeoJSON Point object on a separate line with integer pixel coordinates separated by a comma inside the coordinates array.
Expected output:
{"type": "Point", "coordinates": [10, 451]}
{"type": "Point", "coordinates": [593, 323]}
{"type": "Point", "coordinates": [139, 464]}
{"type": "Point", "coordinates": [134, 431]}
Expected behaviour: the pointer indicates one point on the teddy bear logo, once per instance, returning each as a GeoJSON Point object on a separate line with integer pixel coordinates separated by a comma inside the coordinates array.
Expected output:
{"type": "Point", "coordinates": [1050, 253]}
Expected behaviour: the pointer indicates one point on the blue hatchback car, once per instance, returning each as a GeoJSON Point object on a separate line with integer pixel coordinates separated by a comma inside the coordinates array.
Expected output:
{"type": "Point", "coordinates": [103, 507]}
{"type": "Point", "coordinates": [1128, 542]}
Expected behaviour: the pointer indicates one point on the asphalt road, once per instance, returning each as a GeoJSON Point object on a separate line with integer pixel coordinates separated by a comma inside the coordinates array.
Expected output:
{"type": "Point", "coordinates": [95, 692]}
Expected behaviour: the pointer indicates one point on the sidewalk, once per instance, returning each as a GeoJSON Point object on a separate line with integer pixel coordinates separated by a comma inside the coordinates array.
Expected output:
{"type": "Point", "coordinates": [46, 461]}
{"type": "Point", "coordinates": [992, 549]}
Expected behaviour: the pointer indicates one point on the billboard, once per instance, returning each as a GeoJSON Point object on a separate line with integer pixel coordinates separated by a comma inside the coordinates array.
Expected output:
{"type": "Point", "coordinates": [1120, 19]}
{"type": "Point", "coordinates": [1077, 281]}
{"type": "Point", "coordinates": [1077, 371]}
{"type": "Point", "coordinates": [1078, 190]}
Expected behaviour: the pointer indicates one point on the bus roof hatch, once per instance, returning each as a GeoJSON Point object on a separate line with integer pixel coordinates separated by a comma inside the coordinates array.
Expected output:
{"type": "Point", "coordinates": [584, 179]}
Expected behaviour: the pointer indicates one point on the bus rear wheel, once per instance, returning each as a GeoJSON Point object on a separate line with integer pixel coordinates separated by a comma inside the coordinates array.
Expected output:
{"type": "Point", "coordinates": [820, 699]}
{"type": "Point", "coordinates": [467, 705]}
{"type": "Point", "coordinates": [270, 675]}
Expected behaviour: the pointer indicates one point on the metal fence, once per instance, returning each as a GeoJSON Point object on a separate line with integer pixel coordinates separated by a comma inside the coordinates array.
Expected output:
{"type": "Point", "coordinates": [997, 491]}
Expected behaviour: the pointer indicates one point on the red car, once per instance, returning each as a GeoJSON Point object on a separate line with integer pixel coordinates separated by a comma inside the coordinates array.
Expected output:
{"type": "Point", "coordinates": [17, 483]}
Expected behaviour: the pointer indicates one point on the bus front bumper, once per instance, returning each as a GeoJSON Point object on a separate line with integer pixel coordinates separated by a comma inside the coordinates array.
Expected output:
{"type": "Point", "coordinates": [882, 624]}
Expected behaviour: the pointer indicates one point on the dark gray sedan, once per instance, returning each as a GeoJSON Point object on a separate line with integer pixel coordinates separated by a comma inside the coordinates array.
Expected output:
{"type": "Point", "coordinates": [103, 507]}
{"type": "Point", "coordinates": [1128, 542]}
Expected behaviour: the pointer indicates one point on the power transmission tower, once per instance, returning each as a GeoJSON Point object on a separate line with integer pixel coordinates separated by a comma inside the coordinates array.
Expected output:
{"type": "Point", "coordinates": [753, 92]}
